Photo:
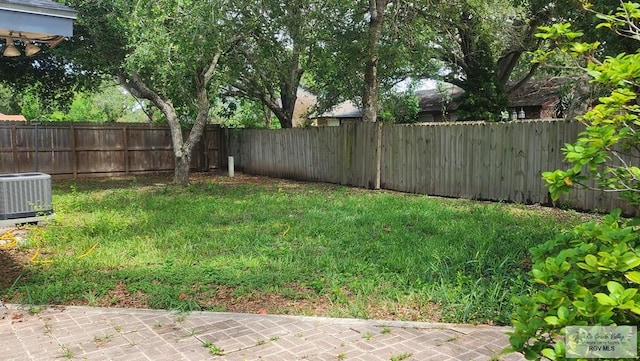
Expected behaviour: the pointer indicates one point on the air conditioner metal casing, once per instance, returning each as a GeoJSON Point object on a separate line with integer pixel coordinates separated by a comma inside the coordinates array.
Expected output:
{"type": "Point", "coordinates": [24, 198]}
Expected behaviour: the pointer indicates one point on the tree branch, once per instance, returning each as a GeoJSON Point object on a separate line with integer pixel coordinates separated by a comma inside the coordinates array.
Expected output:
{"type": "Point", "coordinates": [526, 78]}
{"type": "Point", "coordinates": [138, 88]}
{"type": "Point", "coordinates": [208, 75]}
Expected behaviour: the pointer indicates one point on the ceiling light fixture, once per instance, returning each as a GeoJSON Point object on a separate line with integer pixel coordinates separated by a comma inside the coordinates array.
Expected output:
{"type": "Point", "coordinates": [31, 49]}
{"type": "Point", "coordinates": [11, 50]}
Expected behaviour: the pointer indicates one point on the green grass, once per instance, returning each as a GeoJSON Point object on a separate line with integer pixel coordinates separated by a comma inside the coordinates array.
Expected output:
{"type": "Point", "coordinates": [361, 251]}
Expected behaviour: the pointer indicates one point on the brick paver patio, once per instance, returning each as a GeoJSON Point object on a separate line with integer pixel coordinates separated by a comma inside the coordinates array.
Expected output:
{"type": "Point", "coordinates": [96, 334]}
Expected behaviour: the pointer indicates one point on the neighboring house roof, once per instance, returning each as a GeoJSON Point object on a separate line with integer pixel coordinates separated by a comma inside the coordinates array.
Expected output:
{"type": "Point", "coordinates": [36, 20]}
{"type": "Point", "coordinates": [532, 93]}
{"type": "Point", "coordinates": [537, 92]}
{"type": "Point", "coordinates": [346, 109]}
{"type": "Point", "coordinates": [12, 118]}
{"type": "Point", "coordinates": [431, 100]}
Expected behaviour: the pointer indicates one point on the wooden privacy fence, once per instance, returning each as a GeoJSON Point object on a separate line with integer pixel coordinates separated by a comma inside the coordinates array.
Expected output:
{"type": "Point", "coordinates": [82, 149]}
{"type": "Point", "coordinates": [343, 155]}
{"type": "Point", "coordinates": [489, 161]}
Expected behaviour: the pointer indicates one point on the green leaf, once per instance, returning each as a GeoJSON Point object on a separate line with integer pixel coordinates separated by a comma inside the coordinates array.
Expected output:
{"type": "Point", "coordinates": [629, 293]}
{"type": "Point", "coordinates": [549, 353]}
{"type": "Point", "coordinates": [633, 276]}
{"type": "Point", "coordinates": [563, 313]}
{"type": "Point", "coordinates": [615, 287]}
{"type": "Point", "coordinates": [516, 341]}
{"type": "Point", "coordinates": [630, 260]}
{"type": "Point", "coordinates": [591, 260]}
{"type": "Point", "coordinates": [530, 354]}
{"type": "Point", "coordinates": [552, 320]}
{"type": "Point", "coordinates": [605, 300]}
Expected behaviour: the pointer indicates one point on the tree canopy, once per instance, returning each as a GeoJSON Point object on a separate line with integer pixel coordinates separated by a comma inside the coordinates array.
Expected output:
{"type": "Point", "coordinates": [186, 57]}
{"type": "Point", "coordinates": [169, 52]}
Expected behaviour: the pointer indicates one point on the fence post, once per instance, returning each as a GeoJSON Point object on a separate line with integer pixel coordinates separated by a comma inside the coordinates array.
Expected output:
{"type": "Point", "coordinates": [231, 167]}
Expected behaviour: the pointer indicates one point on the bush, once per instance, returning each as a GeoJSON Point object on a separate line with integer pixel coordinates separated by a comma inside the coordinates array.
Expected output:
{"type": "Point", "coordinates": [590, 276]}
{"type": "Point", "coordinates": [587, 278]}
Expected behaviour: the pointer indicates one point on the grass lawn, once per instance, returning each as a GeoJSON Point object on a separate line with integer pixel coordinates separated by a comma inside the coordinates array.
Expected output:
{"type": "Point", "coordinates": [269, 246]}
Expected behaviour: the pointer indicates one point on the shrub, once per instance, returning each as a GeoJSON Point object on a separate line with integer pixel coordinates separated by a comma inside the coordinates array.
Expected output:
{"type": "Point", "coordinates": [590, 275]}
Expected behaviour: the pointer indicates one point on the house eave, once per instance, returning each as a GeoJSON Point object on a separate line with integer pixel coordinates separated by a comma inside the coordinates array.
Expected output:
{"type": "Point", "coordinates": [35, 20]}
{"type": "Point", "coordinates": [43, 8]}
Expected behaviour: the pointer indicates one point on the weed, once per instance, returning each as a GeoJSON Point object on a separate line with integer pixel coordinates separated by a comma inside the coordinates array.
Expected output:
{"type": "Point", "coordinates": [261, 342]}
{"type": "Point", "coordinates": [367, 336]}
{"type": "Point", "coordinates": [342, 356]}
{"type": "Point", "coordinates": [400, 357]}
{"type": "Point", "coordinates": [213, 349]}
{"type": "Point", "coordinates": [102, 339]}
{"type": "Point", "coordinates": [451, 339]}
{"type": "Point", "coordinates": [181, 317]}
{"type": "Point", "coordinates": [385, 330]}
{"type": "Point", "coordinates": [158, 324]}
{"type": "Point", "coordinates": [91, 298]}
{"type": "Point", "coordinates": [66, 352]}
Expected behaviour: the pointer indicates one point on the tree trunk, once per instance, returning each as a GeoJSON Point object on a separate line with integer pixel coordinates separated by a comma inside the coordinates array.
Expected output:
{"type": "Point", "coordinates": [181, 175]}
{"type": "Point", "coordinates": [286, 123]}
{"type": "Point", "coordinates": [267, 116]}
{"type": "Point", "coordinates": [370, 93]}
{"type": "Point", "coordinates": [182, 149]}
{"type": "Point", "coordinates": [289, 89]}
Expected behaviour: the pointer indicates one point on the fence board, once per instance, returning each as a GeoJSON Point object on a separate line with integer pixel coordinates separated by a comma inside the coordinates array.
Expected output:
{"type": "Point", "coordinates": [490, 161]}
{"type": "Point", "coordinates": [72, 149]}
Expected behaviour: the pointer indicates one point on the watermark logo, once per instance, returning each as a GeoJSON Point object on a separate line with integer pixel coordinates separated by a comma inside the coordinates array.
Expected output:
{"type": "Point", "coordinates": [601, 342]}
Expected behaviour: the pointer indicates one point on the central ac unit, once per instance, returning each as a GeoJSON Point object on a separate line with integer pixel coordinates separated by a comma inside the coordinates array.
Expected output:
{"type": "Point", "coordinates": [24, 198]}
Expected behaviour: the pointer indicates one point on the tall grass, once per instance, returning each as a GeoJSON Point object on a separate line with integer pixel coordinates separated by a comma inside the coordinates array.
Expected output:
{"type": "Point", "coordinates": [360, 250]}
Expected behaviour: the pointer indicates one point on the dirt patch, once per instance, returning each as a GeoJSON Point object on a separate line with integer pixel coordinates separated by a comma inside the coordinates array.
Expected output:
{"type": "Point", "coordinates": [10, 270]}
{"type": "Point", "coordinates": [12, 259]}
{"type": "Point", "coordinates": [120, 297]}
{"type": "Point", "coordinates": [305, 302]}
{"type": "Point", "coordinates": [300, 300]}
